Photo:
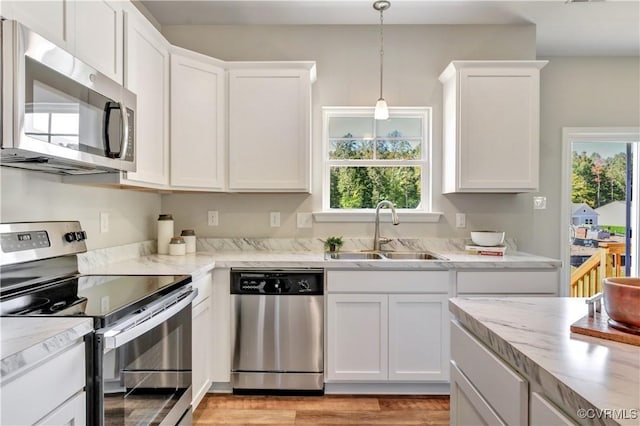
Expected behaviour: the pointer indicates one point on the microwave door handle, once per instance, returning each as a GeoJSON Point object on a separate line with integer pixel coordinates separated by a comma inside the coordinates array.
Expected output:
{"type": "Point", "coordinates": [114, 337]}
{"type": "Point", "coordinates": [125, 131]}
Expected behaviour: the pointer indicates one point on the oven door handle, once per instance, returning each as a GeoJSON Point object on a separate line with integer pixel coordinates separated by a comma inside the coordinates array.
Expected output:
{"type": "Point", "coordinates": [116, 336]}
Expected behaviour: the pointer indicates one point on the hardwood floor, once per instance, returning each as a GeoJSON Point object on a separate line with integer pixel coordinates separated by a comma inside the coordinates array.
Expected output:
{"type": "Point", "coordinates": [219, 409]}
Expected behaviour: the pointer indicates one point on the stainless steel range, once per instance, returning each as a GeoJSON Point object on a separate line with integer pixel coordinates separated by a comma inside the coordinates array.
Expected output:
{"type": "Point", "coordinates": [140, 354]}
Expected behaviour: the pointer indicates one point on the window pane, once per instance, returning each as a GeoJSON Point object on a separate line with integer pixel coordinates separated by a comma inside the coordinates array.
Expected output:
{"type": "Point", "coordinates": [350, 127]}
{"type": "Point", "coordinates": [398, 150]}
{"type": "Point", "coordinates": [355, 149]}
{"type": "Point", "coordinates": [364, 187]}
{"type": "Point", "coordinates": [407, 127]}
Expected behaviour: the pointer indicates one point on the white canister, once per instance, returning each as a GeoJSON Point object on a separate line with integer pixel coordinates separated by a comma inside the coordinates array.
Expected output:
{"type": "Point", "coordinates": [165, 233]}
{"type": "Point", "coordinates": [177, 246]}
{"type": "Point", "coordinates": [189, 236]}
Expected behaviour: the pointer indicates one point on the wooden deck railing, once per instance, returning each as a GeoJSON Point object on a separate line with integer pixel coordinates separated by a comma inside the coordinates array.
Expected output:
{"type": "Point", "coordinates": [586, 280]}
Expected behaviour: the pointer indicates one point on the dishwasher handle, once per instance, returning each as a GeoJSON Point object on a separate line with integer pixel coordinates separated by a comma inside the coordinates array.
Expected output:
{"type": "Point", "coordinates": [149, 317]}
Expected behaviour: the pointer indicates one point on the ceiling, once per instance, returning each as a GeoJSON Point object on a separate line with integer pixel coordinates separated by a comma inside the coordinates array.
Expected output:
{"type": "Point", "coordinates": [578, 28]}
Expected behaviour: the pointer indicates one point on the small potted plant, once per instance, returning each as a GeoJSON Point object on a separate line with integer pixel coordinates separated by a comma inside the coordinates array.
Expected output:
{"type": "Point", "coordinates": [333, 243]}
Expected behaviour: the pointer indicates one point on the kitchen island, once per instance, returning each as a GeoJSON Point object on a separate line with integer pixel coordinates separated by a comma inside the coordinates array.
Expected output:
{"type": "Point", "coordinates": [528, 341]}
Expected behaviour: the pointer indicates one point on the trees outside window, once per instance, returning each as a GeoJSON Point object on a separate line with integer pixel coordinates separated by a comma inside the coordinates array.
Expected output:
{"type": "Point", "coordinates": [369, 160]}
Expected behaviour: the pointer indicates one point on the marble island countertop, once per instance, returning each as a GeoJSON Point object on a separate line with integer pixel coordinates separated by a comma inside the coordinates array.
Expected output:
{"type": "Point", "coordinates": [28, 340]}
{"type": "Point", "coordinates": [575, 371]}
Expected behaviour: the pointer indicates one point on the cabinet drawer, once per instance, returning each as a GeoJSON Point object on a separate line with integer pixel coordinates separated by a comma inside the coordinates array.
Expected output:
{"type": "Point", "coordinates": [72, 412]}
{"type": "Point", "coordinates": [29, 397]}
{"type": "Point", "coordinates": [517, 282]}
{"type": "Point", "coordinates": [468, 407]}
{"type": "Point", "coordinates": [499, 385]}
{"type": "Point", "coordinates": [388, 281]}
{"type": "Point", "coordinates": [545, 413]}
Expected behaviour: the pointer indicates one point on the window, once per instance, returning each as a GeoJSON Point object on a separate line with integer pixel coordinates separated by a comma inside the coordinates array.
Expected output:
{"type": "Point", "coordinates": [367, 160]}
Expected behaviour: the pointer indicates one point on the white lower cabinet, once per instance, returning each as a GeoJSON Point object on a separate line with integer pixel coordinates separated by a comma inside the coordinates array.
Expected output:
{"type": "Point", "coordinates": [387, 326]}
{"type": "Point", "coordinates": [357, 337]}
{"type": "Point", "coordinates": [51, 393]}
{"type": "Point", "coordinates": [202, 339]}
{"type": "Point", "coordinates": [543, 412]}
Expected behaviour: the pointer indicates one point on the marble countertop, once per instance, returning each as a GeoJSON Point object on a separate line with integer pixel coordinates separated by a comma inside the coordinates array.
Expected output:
{"type": "Point", "coordinates": [574, 371]}
{"type": "Point", "coordinates": [201, 262]}
{"type": "Point", "coordinates": [28, 340]}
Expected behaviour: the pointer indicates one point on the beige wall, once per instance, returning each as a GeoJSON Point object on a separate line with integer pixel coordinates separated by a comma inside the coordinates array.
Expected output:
{"type": "Point", "coordinates": [33, 196]}
{"type": "Point", "coordinates": [577, 92]}
{"type": "Point", "coordinates": [347, 65]}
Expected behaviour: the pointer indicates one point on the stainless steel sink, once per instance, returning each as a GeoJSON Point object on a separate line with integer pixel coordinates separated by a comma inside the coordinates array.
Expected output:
{"type": "Point", "coordinates": [353, 255]}
{"type": "Point", "coordinates": [410, 255]}
{"type": "Point", "coordinates": [385, 255]}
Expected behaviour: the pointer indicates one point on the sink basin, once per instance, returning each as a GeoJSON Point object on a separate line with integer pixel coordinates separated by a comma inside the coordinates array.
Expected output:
{"type": "Point", "coordinates": [357, 255]}
{"type": "Point", "coordinates": [410, 255]}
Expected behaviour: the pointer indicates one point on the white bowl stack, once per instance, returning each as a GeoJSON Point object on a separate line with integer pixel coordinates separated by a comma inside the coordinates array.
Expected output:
{"type": "Point", "coordinates": [487, 238]}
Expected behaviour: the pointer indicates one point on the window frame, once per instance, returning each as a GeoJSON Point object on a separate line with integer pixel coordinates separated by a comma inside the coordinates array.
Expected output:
{"type": "Point", "coordinates": [423, 212]}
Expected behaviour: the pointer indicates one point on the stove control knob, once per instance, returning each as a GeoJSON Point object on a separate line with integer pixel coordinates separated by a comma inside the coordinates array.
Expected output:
{"type": "Point", "coordinates": [81, 235]}
{"type": "Point", "coordinates": [70, 237]}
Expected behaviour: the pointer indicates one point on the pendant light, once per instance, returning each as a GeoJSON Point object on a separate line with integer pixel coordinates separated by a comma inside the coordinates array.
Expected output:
{"type": "Point", "coordinates": [381, 111]}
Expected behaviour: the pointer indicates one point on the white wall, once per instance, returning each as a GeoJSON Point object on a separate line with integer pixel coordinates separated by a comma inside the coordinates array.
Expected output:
{"type": "Point", "coordinates": [33, 196]}
{"type": "Point", "coordinates": [347, 64]}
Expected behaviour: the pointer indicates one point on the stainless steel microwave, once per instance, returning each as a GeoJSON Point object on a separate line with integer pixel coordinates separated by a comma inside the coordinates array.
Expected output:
{"type": "Point", "coordinates": [59, 114]}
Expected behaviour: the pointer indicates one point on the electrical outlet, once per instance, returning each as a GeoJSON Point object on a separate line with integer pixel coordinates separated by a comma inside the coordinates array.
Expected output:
{"type": "Point", "coordinates": [305, 220]}
{"type": "Point", "coordinates": [104, 222]}
{"type": "Point", "coordinates": [461, 220]}
{"type": "Point", "coordinates": [274, 219]}
{"type": "Point", "coordinates": [539, 203]}
{"type": "Point", "coordinates": [212, 218]}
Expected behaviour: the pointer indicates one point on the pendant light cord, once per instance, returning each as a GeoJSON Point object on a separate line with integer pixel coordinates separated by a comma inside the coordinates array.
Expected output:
{"type": "Point", "coordinates": [381, 49]}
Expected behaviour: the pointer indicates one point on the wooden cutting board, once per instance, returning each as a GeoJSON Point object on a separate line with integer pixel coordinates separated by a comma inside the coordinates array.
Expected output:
{"type": "Point", "coordinates": [597, 327]}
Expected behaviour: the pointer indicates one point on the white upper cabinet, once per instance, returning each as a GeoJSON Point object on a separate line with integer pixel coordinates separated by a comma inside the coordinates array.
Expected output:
{"type": "Point", "coordinates": [147, 75]}
{"type": "Point", "coordinates": [197, 122]}
{"type": "Point", "coordinates": [270, 127]}
{"type": "Point", "coordinates": [90, 30]}
{"type": "Point", "coordinates": [98, 41]}
{"type": "Point", "coordinates": [52, 19]}
{"type": "Point", "coordinates": [491, 126]}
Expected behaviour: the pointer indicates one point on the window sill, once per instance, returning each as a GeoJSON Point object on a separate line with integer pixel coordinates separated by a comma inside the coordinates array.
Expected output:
{"type": "Point", "coordinates": [369, 216]}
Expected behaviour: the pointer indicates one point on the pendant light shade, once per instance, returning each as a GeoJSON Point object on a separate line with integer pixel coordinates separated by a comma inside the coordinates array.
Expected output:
{"type": "Point", "coordinates": [381, 111]}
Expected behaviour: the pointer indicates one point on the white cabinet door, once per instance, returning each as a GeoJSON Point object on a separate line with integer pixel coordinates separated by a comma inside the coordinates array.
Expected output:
{"type": "Point", "coordinates": [197, 122]}
{"type": "Point", "coordinates": [270, 130]}
{"type": "Point", "coordinates": [201, 350]}
{"type": "Point", "coordinates": [491, 126]}
{"type": "Point", "coordinates": [357, 337]}
{"type": "Point", "coordinates": [147, 75]}
{"type": "Point", "coordinates": [52, 19]}
{"type": "Point", "coordinates": [98, 36]}
{"type": "Point", "coordinates": [418, 337]}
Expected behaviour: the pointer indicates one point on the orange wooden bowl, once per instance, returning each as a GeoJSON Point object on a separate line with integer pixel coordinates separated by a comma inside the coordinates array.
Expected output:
{"type": "Point", "coordinates": [622, 299]}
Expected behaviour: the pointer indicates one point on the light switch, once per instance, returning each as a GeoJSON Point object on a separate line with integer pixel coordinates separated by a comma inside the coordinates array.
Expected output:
{"type": "Point", "coordinates": [461, 220]}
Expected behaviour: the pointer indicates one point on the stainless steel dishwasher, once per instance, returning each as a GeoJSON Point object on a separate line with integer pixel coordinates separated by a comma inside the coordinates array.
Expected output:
{"type": "Point", "coordinates": [277, 331]}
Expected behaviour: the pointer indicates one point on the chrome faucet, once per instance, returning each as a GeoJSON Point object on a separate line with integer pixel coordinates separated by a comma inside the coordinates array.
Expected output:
{"type": "Point", "coordinates": [377, 239]}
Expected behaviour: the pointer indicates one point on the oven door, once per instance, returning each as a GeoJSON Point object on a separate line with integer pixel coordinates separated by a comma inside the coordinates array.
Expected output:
{"type": "Point", "coordinates": [143, 365]}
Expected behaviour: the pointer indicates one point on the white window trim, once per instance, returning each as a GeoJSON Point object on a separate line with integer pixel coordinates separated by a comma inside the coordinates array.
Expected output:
{"type": "Point", "coordinates": [422, 213]}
